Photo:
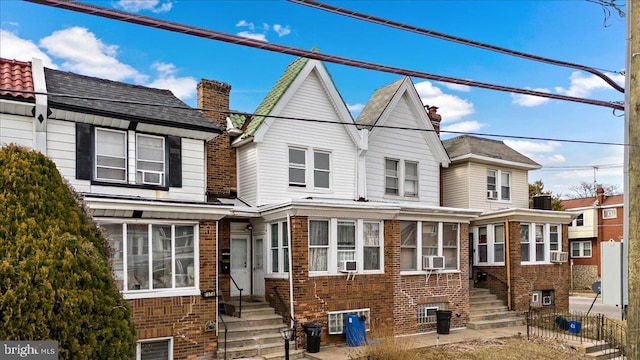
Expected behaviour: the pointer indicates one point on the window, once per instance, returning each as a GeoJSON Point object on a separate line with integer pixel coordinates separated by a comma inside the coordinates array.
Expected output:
{"type": "Point", "coordinates": [336, 319]}
{"type": "Point", "coordinates": [498, 243]}
{"type": "Point", "coordinates": [482, 245]}
{"type": "Point", "coordinates": [321, 169]}
{"type": "Point", "coordinates": [498, 185]}
{"type": "Point", "coordinates": [297, 167]}
{"type": "Point", "coordinates": [581, 249]}
{"type": "Point", "coordinates": [334, 240]}
{"type": "Point", "coordinates": [609, 213]}
{"type": "Point", "coordinates": [391, 173]}
{"type": "Point", "coordinates": [103, 156]}
{"type": "Point", "coordinates": [489, 244]}
{"type": "Point", "coordinates": [111, 158]}
{"type": "Point", "coordinates": [427, 312]}
{"type": "Point", "coordinates": [578, 221]}
{"type": "Point", "coordinates": [150, 160]}
{"type": "Point", "coordinates": [372, 255]}
{"type": "Point", "coordinates": [537, 240]}
{"type": "Point", "coordinates": [408, 245]}
{"type": "Point", "coordinates": [418, 239]}
{"type": "Point", "coordinates": [346, 240]}
{"type": "Point", "coordinates": [410, 179]}
{"type": "Point", "coordinates": [524, 243]}
{"type": "Point", "coordinates": [153, 256]}
{"type": "Point", "coordinates": [155, 349]}
{"type": "Point", "coordinates": [279, 250]}
{"type": "Point", "coordinates": [401, 178]}
{"type": "Point", "coordinates": [318, 245]}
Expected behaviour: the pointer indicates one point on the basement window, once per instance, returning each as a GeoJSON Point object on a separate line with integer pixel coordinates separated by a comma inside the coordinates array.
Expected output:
{"type": "Point", "coordinates": [337, 320]}
{"type": "Point", "coordinates": [427, 312]}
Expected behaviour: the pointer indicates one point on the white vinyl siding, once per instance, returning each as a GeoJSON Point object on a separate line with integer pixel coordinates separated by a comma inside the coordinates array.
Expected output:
{"type": "Point", "coordinates": [477, 182]}
{"type": "Point", "coordinates": [309, 101]}
{"type": "Point", "coordinates": [16, 129]}
{"type": "Point", "coordinates": [589, 228]}
{"type": "Point", "coordinates": [61, 144]}
{"type": "Point", "coordinates": [456, 184]}
{"type": "Point", "coordinates": [247, 174]}
{"type": "Point", "coordinates": [399, 144]}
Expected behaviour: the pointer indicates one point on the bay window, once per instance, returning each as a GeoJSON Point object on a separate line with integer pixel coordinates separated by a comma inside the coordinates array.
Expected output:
{"type": "Point", "coordinates": [425, 238]}
{"type": "Point", "coordinates": [279, 248]}
{"type": "Point", "coordinates": [346, 240]}
{"type": "Point", "coordinates": [372, 255]}
{"type": "Point", "coordinates": [408, 245]}
{"type": "Point", "coordinates": [537, 240]}
{"type": "Point", "coordinates": [489, 244]}
{"type": "Point", "coordinates": [150, 257]}
{"type": "Point", "coordinates": [318, 245]}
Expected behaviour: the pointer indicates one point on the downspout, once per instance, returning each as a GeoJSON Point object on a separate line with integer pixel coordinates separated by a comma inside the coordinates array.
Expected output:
{"type": "Point", "coordinates": [507, 259]}
{"type": "Point", "coordinates": [217, 263]}
{"type": "Point", "coordinates": [290, 272]}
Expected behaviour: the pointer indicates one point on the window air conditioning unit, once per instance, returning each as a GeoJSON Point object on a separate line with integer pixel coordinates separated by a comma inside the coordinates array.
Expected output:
{"type": "Point", "coordinates": [152, 177]}
{"type": "Point", "coordinates": [546, 300]}
{"type": "Point", "coordinates": [348, 266]}
{"type": "Point", "coordinates": [492, 194]}
{"type": "Point", "coordinates": [559, 256]}
{"type": "Point", "coordinates": [432, 262]}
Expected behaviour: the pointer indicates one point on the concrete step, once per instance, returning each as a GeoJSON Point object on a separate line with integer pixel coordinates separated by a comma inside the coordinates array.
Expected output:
{"type": "Point", "coordinates": [248, 338]}
{"type": "Point", "coordinates": [493, 324]}
{"type": "Point", "coordinates": [485, 304]}
{"type": "Point", "coordinates": [251, 321]}
{"type": "Point", "coordinates": [247, 332]}
{"type": "Point", "coordinates": [487, 310]}
{"type": "Point", "coordinates": [476, 298]}
{"type": "Point", "coordinates": [493, 315]}
{"type": "Point", "coordinates": [293, 355]}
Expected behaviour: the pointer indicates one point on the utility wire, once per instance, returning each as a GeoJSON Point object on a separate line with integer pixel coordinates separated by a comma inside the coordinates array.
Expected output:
{"type": "Point", "coordinates": [422, 31]}
{"type": "Point", "coordinates": [263, 45]}
{"type": "Point", "coordinates": [322, 121]}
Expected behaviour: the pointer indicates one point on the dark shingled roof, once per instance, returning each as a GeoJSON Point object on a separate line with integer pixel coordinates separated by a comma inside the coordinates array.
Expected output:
{"type": "Point", "coordinates": [466, 144]}
{"type": "Point", "coordinates": [174, 113]}
{"type": "Point", "coordinates": [378, 103]}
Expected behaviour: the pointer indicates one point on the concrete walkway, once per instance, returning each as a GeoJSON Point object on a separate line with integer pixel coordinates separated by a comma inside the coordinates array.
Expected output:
{"type": "Point", "coordinates": [344, 352]}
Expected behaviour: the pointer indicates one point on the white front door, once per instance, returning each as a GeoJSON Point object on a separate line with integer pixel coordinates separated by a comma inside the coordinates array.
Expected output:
{"type": "Point", "coordinates": [240, 264]}
{"type": "Point", "coordinates": [258, 266]}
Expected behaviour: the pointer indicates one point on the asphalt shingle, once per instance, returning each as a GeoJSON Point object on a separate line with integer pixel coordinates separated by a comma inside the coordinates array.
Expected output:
{"type": "Point", "coordinates": [466, 144]}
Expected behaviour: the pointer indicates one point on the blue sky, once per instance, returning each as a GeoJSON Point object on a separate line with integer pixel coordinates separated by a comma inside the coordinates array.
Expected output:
{"type": "Point", "coordinates": [571, 31]}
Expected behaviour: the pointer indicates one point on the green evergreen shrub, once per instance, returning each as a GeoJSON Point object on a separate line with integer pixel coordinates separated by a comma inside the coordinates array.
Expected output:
{"type": "Point", "coordinates": [55, 276]}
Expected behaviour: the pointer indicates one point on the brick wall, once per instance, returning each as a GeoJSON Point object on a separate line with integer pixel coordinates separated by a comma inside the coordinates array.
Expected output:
{"type": "Point", "coordinates": [527, 278]}
{"type": "Point", "coordinates": [184, 317]}
{"type": "Point", "coordinates": [391, 298]}
{"type": "Point", "coordinates": [221, 157]}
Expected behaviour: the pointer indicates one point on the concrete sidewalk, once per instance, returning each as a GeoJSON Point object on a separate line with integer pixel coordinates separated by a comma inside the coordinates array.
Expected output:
{"type": "Point", "coordinates": [344, 352]}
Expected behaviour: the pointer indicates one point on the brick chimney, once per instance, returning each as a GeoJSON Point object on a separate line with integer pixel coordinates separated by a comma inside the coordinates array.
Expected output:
{"type": "Point", "coordinates": [600, 194]}
{"type": "Point", "coordinates": [221, 157]}
{"type": "Point", "coordinates": [435, 118]}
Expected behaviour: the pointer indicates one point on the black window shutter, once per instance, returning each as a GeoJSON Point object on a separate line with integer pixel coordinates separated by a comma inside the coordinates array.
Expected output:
{"type": "Point", "coordinates": [84, 151]}
{"type": "Point", "coordinates": [175, 160]}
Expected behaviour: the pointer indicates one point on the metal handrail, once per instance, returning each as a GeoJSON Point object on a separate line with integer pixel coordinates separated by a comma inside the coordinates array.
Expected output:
{"type": "Point", "coordinates": [295, 322]}
{"type": "Point", "coordinates": [225, 330]}
{"type": "Point", "coordinates": [240, 300]}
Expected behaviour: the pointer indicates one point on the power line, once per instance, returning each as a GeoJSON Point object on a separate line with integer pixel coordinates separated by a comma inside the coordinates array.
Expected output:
{"type": "Point", "coordinates": [422, 31]}
{"type": "Point", "coordinates": [332, 122]}
{"type": "Point", "coordinates": [263, 45]}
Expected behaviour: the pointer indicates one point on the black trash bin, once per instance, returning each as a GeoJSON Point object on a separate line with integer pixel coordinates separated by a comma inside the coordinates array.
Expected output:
{"type": "Point", "coordinates": [443, 321]}
{"type": "Point", "coordinates": [312, 332]}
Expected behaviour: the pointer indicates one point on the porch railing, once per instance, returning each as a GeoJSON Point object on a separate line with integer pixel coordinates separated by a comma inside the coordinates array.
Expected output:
{"type": "Point", "coordinates": [596, 329]}
{"type": "Point", "coordinates": [293, 320]}
{"type": "Point", "coordinates": [239, 299]}
{"type": "Point", "coordinates": [226, 329]}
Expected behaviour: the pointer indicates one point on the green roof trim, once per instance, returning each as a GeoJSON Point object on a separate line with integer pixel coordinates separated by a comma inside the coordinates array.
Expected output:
{"type": "Point", "coordinates": [276, 93]}
{"type": "Point", "coordinates": [237, 119]}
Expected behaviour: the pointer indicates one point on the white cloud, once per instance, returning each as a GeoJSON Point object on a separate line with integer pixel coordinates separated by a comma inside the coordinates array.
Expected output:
{"type": "Point", "coordinates": [254, 36]}
{"type": "Point", "coordinates": [83, 53]}
{"type": "Point", "coordinates": [355, 107]}
{"type": "Point", "coordinates": [529, 100]}
{"type": "Point", "coordinates": [463, 127]}
{"type": "Point", "coordinates": [138, 5]}
{"type": "Point", "coordinates": [14, 47]}
{"type": "Point", "coordinates": [583, 86]}
{"type": "Point", "coordinates": [260, 32]}
{"type": "Point", "coordinates": [451, 107]}
{"type": "Point", "coordinates": [539, 151]}
{"type": "Point", "coordinates": [244, 23]}
{"type": "Point", "coordinates": [456, 87]}
{"type": "Point", "coordinates": [281, 31]}
{"type": "Point", "coordinates": [181, 87]}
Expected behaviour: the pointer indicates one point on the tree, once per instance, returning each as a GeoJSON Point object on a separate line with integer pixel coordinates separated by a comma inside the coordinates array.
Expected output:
{"type": "Point", "coordinates": [586, 190]}
{"type": "Point", "coordinates": [55, 278]}
{"type": "Point", "coordinates": [537, 188]}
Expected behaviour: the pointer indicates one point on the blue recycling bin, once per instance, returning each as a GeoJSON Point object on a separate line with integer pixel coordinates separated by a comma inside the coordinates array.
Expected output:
{"type": "Point", "coordinates": [355, 330]}
{"type": "Point", "coordinates": [574, 327]}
